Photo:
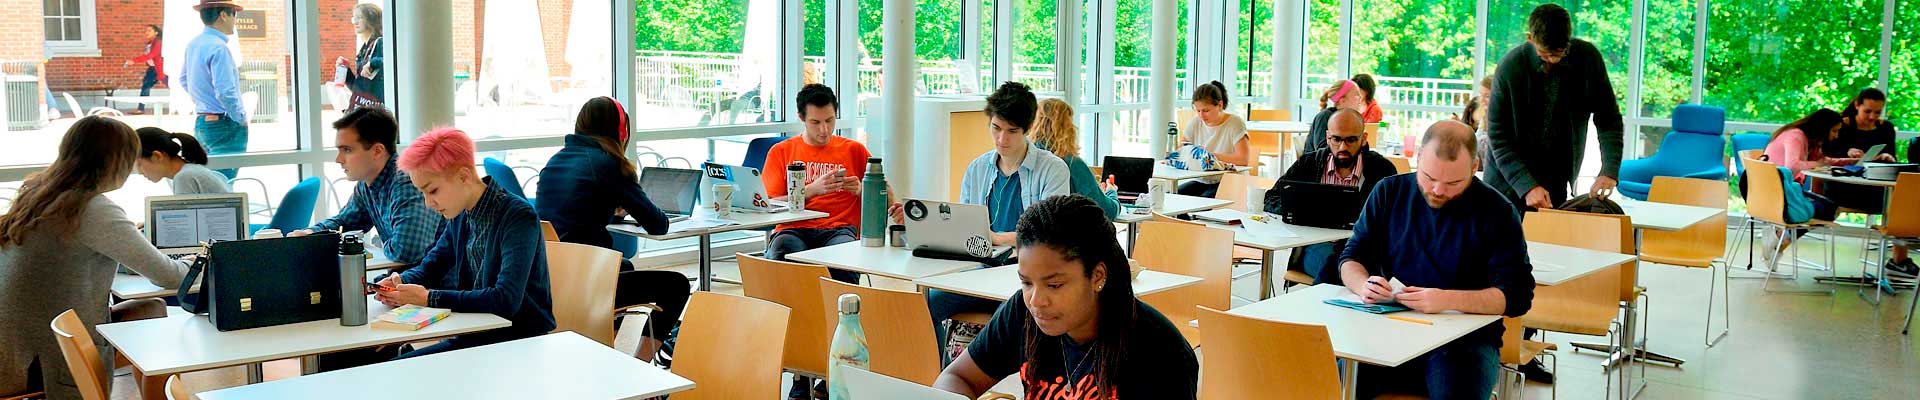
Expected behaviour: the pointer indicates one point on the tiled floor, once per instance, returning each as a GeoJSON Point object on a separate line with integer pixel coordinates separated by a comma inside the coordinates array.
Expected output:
{"type": "Point", "coordinates": [1782, 346]}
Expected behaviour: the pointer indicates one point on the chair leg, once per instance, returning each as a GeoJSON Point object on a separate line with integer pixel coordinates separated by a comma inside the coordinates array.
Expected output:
{"type": "Point", "coordinates": [1708, 335]}
{"type": "Point", "coordinates": [1905, 326]}
{"type": "Point", "coordinates": [1793, 268]}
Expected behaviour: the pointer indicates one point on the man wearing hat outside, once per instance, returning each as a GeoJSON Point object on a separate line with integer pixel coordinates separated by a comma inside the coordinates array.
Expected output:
{"type": "Point", "coordinates": [211, 77]}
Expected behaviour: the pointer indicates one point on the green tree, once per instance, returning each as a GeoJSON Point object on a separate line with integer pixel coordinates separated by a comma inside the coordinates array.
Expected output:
{"type": "Point", "coordinates": [690, 25]}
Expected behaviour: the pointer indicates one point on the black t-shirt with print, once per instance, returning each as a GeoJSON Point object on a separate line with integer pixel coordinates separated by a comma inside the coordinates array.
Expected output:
{"type": "Point", "coordinates": [1159, 363]}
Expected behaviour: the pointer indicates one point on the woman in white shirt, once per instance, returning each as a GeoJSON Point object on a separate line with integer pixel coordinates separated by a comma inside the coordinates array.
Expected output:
{"type": "Point", "coordinates": [178, 156]}
{"type": "Point", "coordinates": [1220, 133]}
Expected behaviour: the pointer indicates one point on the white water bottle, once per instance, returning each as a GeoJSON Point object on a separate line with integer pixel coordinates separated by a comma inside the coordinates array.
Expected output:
{"type": "Point", "coordinates": [849, 346]}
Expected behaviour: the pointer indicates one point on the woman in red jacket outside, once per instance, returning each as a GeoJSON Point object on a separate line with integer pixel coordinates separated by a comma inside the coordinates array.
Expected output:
{"type": "Point", "coordinates": [156, 67]}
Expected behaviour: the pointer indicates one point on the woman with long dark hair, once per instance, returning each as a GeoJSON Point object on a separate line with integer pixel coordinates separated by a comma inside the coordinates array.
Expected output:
{"type": "Point", "coordinates": [589, 184]}
{"type": "Point", "coordinates": [180, 157]}
{"type": "Point", "coordinates": [156, 65]}
{"type": "Point", "coordinates": [1075, 330]}
{"type": "Point", "coordinates": [60, 245]}
{"type": "Point", "coordinates": [1863, 125]}
{"type": "Point", "coordinates": [1800, 145]}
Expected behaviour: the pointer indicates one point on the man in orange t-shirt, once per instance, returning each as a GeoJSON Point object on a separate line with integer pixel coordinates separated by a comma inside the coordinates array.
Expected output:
{"type": "Point", "coordinates": [834, 168]}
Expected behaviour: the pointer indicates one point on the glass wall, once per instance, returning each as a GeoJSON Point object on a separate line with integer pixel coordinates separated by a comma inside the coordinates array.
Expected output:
{"type": "Point", "coordinates": [1904, 80]}
{"type": "Point", "coordinates": [1666, 79]}
{"type": "Point", "coordinates": [702, 63]}
{"type": "Point", "coordinates": [1254, 49]}
{"type": "Point", "coordinates": [1323, 46]}
{"type": "Point", "coordinates": [1772, 61]}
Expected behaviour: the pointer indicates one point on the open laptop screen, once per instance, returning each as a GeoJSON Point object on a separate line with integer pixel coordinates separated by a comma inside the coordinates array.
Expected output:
{"type": "Point", "coordinates": [175, 222]}
{"type": "Point", "coordinates": [675, 191]}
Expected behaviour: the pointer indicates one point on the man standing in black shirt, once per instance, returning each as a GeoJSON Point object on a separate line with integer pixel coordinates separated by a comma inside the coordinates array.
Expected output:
{"type": "Point", "coordinates": [1544, 92]}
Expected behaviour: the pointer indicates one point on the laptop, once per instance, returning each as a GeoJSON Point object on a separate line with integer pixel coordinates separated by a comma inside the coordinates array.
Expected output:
{"type": "Point", "coordinates": [868, 385]}
{"type": "Point", "coordinates": [676, 191]}
{"type": "Point", "coordinates": [1872, 152]}
{"type": "Point", "coordinates": [1130, 175]}
{"type": "Point", "coordinates": [951, 228]}
{"type": "Point", "coordinates": [1319, 205]}
{"type": "Point", "coordinates": [749, 192]}
{"type": "Point", "coordinates": [177, 225]}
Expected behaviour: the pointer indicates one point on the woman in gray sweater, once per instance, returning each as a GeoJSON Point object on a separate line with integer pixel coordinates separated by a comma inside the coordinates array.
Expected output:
{"type": "Point", "coordinates": [59, 245]}
{"type": "Point", "coordinates": [180, 157]}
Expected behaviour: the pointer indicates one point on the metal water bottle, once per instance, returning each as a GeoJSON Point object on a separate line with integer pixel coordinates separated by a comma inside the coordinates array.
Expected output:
{"type": "Point", "coordinates": [849, 345]}
{"type": "Point", "coordinates": [796, 186]}
{"type": "Point", "coordinates": [1173, 136]}
{"type": "Point", "coordinates": [873, 205]}
{"type": "Point", "coordinates": [353, 277]}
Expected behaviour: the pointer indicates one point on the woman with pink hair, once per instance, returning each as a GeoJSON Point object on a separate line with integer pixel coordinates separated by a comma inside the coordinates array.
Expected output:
{"type": "Point", "coordinates": [488, 259]}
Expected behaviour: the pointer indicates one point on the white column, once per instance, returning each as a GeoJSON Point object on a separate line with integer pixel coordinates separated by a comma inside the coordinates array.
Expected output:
{"type": "Point", "coordinates": [1886, 44]}
{"type": "Point", "coordinates": [1700, 15]}
{"type": "Point", "coordinates": [1288, 59]}
{"type": "Point", "coordinates": [1066, 61]}
{"type": "Point", "coordinates": [425, 50]}
{"type": "Point", "coordinates": [1160, 85]}
{"type": "Point", "coordinates": [896, 105]}
{"type": "Point", "coordinates": [1004, 19]}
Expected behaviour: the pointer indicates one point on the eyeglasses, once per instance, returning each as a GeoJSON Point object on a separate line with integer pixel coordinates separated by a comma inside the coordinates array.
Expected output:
{"type": "Point", "coordinates": [1343, 139]}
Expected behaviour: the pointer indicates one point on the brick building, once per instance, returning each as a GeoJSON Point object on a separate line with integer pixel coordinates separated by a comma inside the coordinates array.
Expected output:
{"type": "Point", "coordinates": [119, 27]}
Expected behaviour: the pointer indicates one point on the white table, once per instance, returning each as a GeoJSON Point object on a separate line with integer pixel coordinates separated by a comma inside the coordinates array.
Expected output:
{"type": "Point", "coordinates": [561, 365]}
{"type": "Point", "coordinates": [159, 104]}
{"type": "Point", "coordinates": [1663, 216]}
{"type": "Point", "coordinates": [131, 286]}
{"type": "Point", "coordinates": [1176, 204]}
{"type": "Point", "coordinates": [184, 342]}
{"type": "Point", "coordinates": [999, 283]}
{"type": "Point", "coordinates": [742, 221]}
{"type": "Point", "coordinates": [1555, 264]}
{"type": "Point", "coordinates": [1828, 176]}
{"type": "Point", "coordinates": [1303, 236]}
{"type": "Point", "coordinates": [892, 262]}
{"type": "Point", "coordinates": [1359, 336]}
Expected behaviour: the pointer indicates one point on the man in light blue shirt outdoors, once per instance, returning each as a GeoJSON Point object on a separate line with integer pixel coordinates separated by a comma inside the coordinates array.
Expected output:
{"type": "Point", "coordinates": [212, 79]}
{"type": "Point", "coordinates": [1016, 174]}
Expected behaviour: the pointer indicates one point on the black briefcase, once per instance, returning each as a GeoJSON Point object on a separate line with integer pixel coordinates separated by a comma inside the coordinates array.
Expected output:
{"type": "Point", "coordinates": [267, 282]}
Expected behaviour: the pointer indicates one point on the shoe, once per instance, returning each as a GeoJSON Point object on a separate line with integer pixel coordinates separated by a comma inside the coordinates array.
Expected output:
{"type": "Point", "coordinates": [1902, 268]}
{"type": "Point", "coordinates": [1537, 372]}
{"type": "Point", "coordinates": [800, 390]}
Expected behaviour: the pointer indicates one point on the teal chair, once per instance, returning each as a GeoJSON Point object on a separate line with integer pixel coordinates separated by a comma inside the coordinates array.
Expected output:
{"type": "Point", "coordinates": [1694, 149]}
{"type": "Point", "coordinates": [296, 208]}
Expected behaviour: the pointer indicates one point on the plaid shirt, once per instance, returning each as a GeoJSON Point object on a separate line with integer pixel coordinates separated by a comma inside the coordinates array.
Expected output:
{"type": "Point", "coordinates": [392, 205]}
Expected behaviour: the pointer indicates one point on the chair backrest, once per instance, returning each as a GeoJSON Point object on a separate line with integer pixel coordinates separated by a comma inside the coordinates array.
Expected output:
{"type": "Point", "coordinates": [1700, 119]}
{"type": "Point", "coordinates": [796, 286]}
{"type": "Point", "coordinates": [1401, 165]}
{"type": "Point", "coordinates": [1251, 358]}
{"type": "Point", "coordinates": [1264, 143]}
{"type": "Point", "coordinates": [1373, 133]}
{"type": "Point", "coordinates": [82, 357]}
{"type": "Point", "coordinates": [1765, 193]}
{"type": "Point", "coordinates": [1158, 217]}
{"type": "Point", "coordinates": [1904, 221]}
{"type": "Point", "coordinates": [547, 233]}
{"type": "Point", "coordinates": [900, 341]}
{"type": "Point", "coordinates": [74, 106]}
{"type": "Point", "coordinates": [1510, 341]}
{"type": "Point", "coordinates": [503, 176]}
{"type": "Point", "coordinates": [177, 390]}
{"type": "Point", "coordinates": [1598, 232]}
{"type": "Point", "coordinates": [1703, 240]}
{"type": "Point", "coordinates": [296, 207]}
{"type": "Point", "coordinates": [1269, 115]}
{"type": "Point", "coordinates": [586, 275]}
{"type": "Point", "coordinates": [727, 349]}
{"type": "Point", "coordinates": [1233, 187]}
{"type": "Point", "coordinates": [757, 152]}
{"type": "Point", "coordinates": [1190, 249]}
{"type": "Point", "coordinates": [1180, 119]}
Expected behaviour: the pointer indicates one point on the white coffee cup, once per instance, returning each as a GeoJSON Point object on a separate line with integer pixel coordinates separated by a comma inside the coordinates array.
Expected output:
{"type": "Point", "coordinates": [268, 233]}
{"type": "Point", "coordinates": [1157, 192]}
{"type": "Point", "coordinates": [1256, 200]}
{"type": "Point", "coordinates": [723, 199]}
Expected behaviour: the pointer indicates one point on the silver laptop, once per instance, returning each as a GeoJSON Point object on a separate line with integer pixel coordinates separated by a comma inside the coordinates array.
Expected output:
{"type": "Point", "coordinates": [179, 224]}
{"type": "Point", "coordinates": [676, 191]}
{"type": "Point", "coordinates": [749, 192]}
{"type": "Point", "coordinates": [951, 227]}
{"type": "Point", "coordinates": [867, 385]}
{"type": "Point", "coordinates": [1872, 152]}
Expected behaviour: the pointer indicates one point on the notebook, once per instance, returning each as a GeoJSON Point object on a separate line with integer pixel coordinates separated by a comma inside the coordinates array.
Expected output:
{"type": "Point", "coordinates": [410, 317]}
{"type": "Point", "coordinates": [1347, 299]}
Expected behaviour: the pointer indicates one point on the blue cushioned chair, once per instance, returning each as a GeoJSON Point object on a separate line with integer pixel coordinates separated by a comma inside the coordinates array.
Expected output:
{"type": "Point", "coordinates": [757, 152]}
{"type": "Point", "coordinates": [1695, 149]}
{"type": "Point", "coordinates": [296, 208]}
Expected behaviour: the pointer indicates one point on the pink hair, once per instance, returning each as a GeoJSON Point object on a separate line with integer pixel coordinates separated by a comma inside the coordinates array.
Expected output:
{"type": "Point", "coordinates": [439, 150]}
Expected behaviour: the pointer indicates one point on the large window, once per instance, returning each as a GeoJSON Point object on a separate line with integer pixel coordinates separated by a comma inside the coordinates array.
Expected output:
{"type": "Point", "coordinates": [1776, 60]}
{"type": "Point", "coordinates": [704, 62]}
{"type": "Point", "coordinates": [1666, 78]}
{"type": "Point", "coordinates": [1133, 52]}
{"type": "Point", "coordinates": [1607, 24]}
{"type": "Point", "coordinates": [1323, 46]}
{"type": "Point", "coordinates": [1420, 53]}
{"type": "Point", "coordinates": [1904, 79]}
{"type": "Point", "coordinates": [1254, 49]}
{"type": "Point", "coordinates": [70, 27]}
{"type": "Point", "coordinates": [1033, 44]}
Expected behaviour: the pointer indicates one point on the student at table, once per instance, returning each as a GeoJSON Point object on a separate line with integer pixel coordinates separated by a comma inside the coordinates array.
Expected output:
{"type": "Point", "coordinates": [1014, 176]}
{"type": "Point", "coordinates": [1343, 95]}
{"type": "Point", "coordinates": [1346, 161]}
{"type": "Point", "coordinates": [489, 259]}
{"type": "Point", "coordinates": [1075, 330]}
{"type": "Point", "coordinates": [1054, 131]}
{"type": "Point", "coordinates": [1800, 146]}
{"type": "Point", "coordinates": [60, 244]}
{"type": "Point", "coordinates": [1220, 133]}
{"type": "Point", "coordinates": [384, 199]}
{"type": "Point", "coordinates": [1456, 243]}
{"type": "Point", "coordinates": [1372, 114]}
{"type": "Point", "coordinates": [180, 158]}
{"type": "Point", "coordinates": [588, 184]}
{"type": "Point", "coordinates": [828, 190]}
{"type": "Point", "coordinates": [1864, 125]}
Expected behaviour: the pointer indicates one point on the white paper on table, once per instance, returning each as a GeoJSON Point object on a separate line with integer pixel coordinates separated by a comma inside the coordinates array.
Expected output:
{"type": "Point", "coordinates": [1267, 229]}
{"type": "Point", "coordinates": [1393, 283]}
{"type": "Point", "coordinates": [698, 224]}
{"type": "Point", "coordinates": [1221, 215]}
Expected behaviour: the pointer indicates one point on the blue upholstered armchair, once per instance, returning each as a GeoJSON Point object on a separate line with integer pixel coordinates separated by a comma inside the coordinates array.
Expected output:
{"type": "Point", "coordinates": [1695, 149]}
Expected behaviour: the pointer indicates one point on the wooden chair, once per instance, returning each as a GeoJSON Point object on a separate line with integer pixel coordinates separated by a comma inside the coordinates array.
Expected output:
{"type": "Point", "coordinates": [1269, 115]}
{"type": "Point", "coordinates": [1251, 358]}
{"type": "Point", "coordinates": [547, 233]}
{"type": "Point", "coordinates": [177, 390]}
{"type": "Point", "coordinates": [1193, 250]}
{"type": "Point", "coordinates": [1766, 204]}
{"type": "Point", "coordinates": [1903, 224]}
{"type": "Point", "coordinates": [1699, 246]}
{"type": "Point", "coordinates": [1233, 187]}
{"type": "Point", "coordinates": [1373, 133]}
{"type": "Point", "coordinates": [797, 287]}
{"type": "Point", "coordinates": [1516, 351]}
{"type": "Point", "coordinates": [1268, 143]}
{"type": "Point", "coordinates": [82, 356]}
{"type": "Point", "coordinates": [25, 396]}
{"type": "Point", "coordinates": [1586, 306]}
{"type": "Point", "coordinates": [1401, 164]}
{"type": "Point", "coordinates": [586, 276]}
{"type": "Point", "coordinates": [727, 350]}
{"type": "Point", "coordinates": [900, 341]}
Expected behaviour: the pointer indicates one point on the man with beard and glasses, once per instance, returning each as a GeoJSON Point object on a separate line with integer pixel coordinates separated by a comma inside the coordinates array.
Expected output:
{"type": "Point", "coordinates": [1345, 160]}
